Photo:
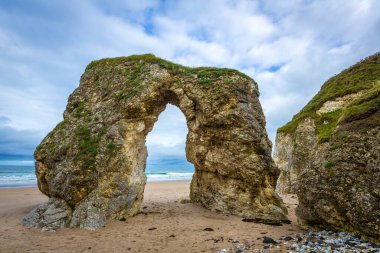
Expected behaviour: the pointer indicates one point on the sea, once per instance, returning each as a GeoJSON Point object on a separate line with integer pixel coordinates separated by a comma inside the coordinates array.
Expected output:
{"type": "Point", "coordinates": [24, 175]}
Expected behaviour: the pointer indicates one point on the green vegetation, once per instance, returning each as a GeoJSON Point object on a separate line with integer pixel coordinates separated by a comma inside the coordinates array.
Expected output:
{"type": "Point", "coordinates": [122, 95]}
{"type": "Point", "coordinates": [150, 58]}
{"type": "Point", "coordinates": [363, 106]}
{"type": "Point", "coordinates": [59, 127]}
{"type": "Point", "coordinates": [329, 167]}
{"type": "Point", "coordinates": [134, 68]}
{"type": "Point", "coordinates": [207, 76]}
{"type": "Point", "coordinates": [52, 147]}
{"type": "Point", "coordinates": [363, 76]}
{"type": "Point", "coordinates": [119, 96]}
{"type": "Point", "coordinates": [173, 68]}
{"type": "Point", "coordinates": [111, 146]}
{"type": "Point", "coordinates": [334, 146]}
{"type": "Point", "coordinates": [326, 124]}
{"type": "Point", "coordinates": [88, 147]}
{"type": "Point", "coordinates": [329, 164]}
{"type": "Point", "coordinates": [79, 110]}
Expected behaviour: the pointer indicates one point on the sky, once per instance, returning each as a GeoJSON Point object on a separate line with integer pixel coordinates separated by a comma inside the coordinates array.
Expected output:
{"type": "Point", "coordinates": [290, 48]}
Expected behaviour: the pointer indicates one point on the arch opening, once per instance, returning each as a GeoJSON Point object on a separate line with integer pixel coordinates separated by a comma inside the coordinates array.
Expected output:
{"type": "Point", "coordinates": [166, 145]}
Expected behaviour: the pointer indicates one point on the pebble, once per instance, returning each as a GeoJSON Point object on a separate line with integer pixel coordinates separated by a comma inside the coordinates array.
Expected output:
{"type": "Point", "coordinates": [47, 229]}
{"type": "Point", "coordinates": [268, 240]}
{"type": "Point", "coordinates": [310, 242]}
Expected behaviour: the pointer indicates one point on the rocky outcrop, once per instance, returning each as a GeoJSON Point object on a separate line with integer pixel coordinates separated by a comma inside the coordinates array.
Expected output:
{"type": "Point", "coordinates": [92, 164]}
{"type": "Point", "coordinates": [290, 153]}
{"type": "Point", "coordinates": [329, 154]}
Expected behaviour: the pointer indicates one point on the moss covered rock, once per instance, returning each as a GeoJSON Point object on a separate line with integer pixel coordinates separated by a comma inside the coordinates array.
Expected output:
{"type": "Point", "coordinates": [329, 154]}
{"type": "Point", "coordinates": [94, 161]}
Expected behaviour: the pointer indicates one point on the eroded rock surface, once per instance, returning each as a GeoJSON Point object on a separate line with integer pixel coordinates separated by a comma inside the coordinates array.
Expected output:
{"type": "Point", "coordinates": [329, 154]}
{"type": "Point", "coordinates": [291, 152]}
{"type": "Point", "coordinates": [94, 161]}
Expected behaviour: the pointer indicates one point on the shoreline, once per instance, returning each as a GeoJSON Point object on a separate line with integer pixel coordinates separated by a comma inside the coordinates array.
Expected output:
{"type": "Point", "coordinates": [18, 186]}
{"type": "Point", "coordinates": [36, 186]}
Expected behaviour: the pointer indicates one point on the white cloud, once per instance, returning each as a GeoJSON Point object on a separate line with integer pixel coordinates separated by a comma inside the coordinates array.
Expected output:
{"type": "Point", "coordinates": [289, 47]}
{"type": "Point", "coordinates": [168, 136]}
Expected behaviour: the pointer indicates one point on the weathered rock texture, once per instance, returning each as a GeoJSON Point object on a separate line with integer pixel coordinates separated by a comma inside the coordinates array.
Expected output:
{"type": "Point", "coordinates": [92, 164]}
{"type": "Point", "coordinates": [329, 154]}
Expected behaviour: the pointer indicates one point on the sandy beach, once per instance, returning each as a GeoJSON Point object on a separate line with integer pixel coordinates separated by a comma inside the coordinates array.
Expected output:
{"type": "Point", "coordinates": [167, 223]}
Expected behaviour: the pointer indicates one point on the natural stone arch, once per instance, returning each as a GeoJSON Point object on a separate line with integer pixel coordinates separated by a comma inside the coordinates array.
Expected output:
{"type": "Point", "coordinates": [92, 164]}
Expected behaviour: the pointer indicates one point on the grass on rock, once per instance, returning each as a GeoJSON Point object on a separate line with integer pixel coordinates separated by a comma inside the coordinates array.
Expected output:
{"type": "Point", "coordinates": [363, 76]}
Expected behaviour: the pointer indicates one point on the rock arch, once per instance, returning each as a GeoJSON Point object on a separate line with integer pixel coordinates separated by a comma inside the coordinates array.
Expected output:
{"type": "Point", "coordinates": [92, 164]}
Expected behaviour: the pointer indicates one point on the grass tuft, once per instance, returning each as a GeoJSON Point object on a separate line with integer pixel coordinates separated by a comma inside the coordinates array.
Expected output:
{"type": "Point", "coordinates": [88, 147]}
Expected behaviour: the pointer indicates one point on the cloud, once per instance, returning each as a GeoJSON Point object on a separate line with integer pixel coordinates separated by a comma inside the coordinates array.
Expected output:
{"type": "Point", "coordinates": [167, 141]}
{"type": "Point", "coordinates": [289, 47]}
{"type": "Point", "coordinates": [17, 143]}
{"type": "Point", "coordinates": [4, 120]}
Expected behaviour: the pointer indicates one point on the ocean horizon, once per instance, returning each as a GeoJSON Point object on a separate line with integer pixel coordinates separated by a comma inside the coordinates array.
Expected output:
{"type": "Point", "coordinates": [22, 174]}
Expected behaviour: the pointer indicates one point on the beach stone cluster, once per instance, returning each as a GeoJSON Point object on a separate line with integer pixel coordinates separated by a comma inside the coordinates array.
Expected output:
{"type": "Point", "coordinates": [92, 164]}
{"type": "Point", "coordinates": [329, 154]}
{"type": "Point", "coordinates": [311, 242]}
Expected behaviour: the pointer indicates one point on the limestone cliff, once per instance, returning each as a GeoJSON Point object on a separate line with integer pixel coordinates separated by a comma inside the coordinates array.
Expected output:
{"type": "Point", "coordinates": [329, 154]}
{"type": "Point", "coordinates": [92, 164]}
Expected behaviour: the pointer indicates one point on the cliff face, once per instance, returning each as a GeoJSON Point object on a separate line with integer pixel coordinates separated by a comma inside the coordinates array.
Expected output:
{"type": "Point", "coordinates": [329, 154]}
{"type": "Point", "coordinates": [92, 164]}
{"type": "Point", "coordinates": [291, 152]}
